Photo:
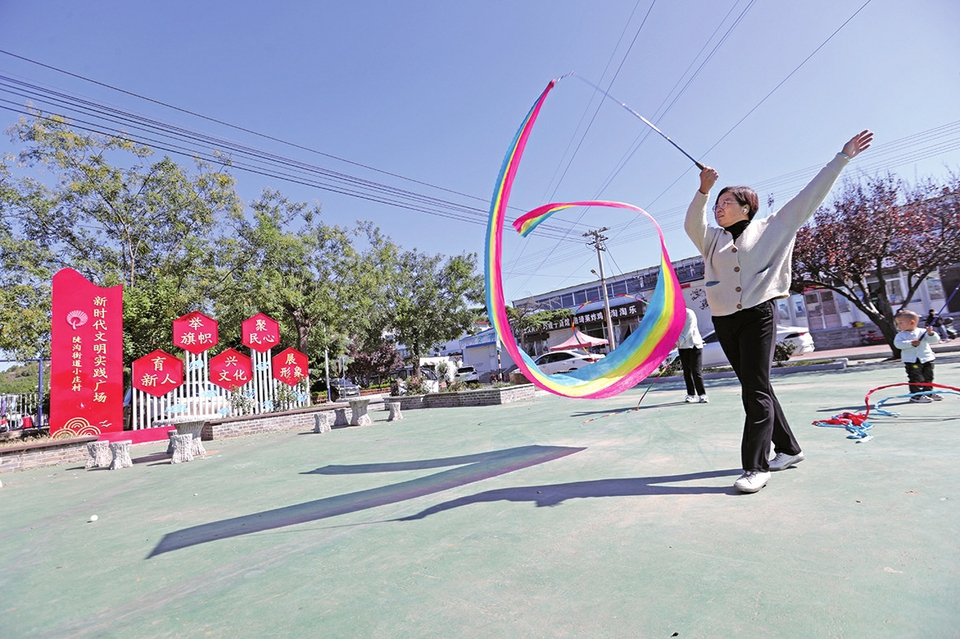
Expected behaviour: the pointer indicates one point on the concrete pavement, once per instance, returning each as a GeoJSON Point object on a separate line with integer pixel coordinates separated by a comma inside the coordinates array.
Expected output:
{"type": "Point", "coordinates": [546, 518]}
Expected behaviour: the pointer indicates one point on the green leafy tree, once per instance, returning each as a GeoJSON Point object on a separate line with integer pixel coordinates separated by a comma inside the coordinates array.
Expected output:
{"type": "Point", "coordinates": [431, 300]}
{"type": "Point", "coordinates": [313, 280]}
{"type": "Point", "coordinates": [528, 319]}
{"type": "Point", "coordinates": [107, 210]}
{"type": "Point", "coordinates": [24, 283]}
{"type": "Point", "coordinates": [876, 229]}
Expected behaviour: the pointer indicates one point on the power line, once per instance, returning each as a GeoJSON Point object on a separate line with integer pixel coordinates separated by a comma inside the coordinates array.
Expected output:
{"type": "Point", "coordinates": [883, 157]}
{"type": "Point", "coordinates": [597, 111]}
{"type": "Point", "coordinates": [101, 119]}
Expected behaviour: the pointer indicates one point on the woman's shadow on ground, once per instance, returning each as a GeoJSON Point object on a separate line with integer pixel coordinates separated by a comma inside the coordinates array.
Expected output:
{"type": "Point", "coordinates": [554, 494]}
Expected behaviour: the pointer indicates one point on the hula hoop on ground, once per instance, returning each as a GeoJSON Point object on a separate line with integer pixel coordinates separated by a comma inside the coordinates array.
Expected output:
{"type": "Point", "coordinates": [857, 424]}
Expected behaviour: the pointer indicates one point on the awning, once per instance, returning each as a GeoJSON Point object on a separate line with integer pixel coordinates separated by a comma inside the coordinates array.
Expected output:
{"type": "Point", "coordinates": [579, 340]}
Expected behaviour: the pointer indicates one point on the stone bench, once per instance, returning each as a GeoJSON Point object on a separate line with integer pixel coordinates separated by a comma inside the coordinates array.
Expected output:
{"type": "Point", "coordinates": [182, 448]}
{"type": "Point", "coordinates": [360, 416]}
{"type": "Point", "coordinates": [321, 422]}
{"type": "Point", "coordinates": [194, 428]}
{"type": "Point", "coordinates": [341, 418]}
{"type": "Point", "coordinates": [394, 408]}
{"type": "Point", "coordinates": [121, 455]}
{"type": "Point", "coordinates": [100, 456]}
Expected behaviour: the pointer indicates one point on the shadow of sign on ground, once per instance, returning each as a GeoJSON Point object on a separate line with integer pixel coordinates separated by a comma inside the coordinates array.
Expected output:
{"type": "Point", "coordinates": [473, 468]}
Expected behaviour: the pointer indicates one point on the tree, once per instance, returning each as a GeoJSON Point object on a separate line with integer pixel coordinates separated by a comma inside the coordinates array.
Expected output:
{"type": "Point", "coordinates": [117, 217]}
{"type": "Point", "coordinates": [872, 230]}
{"type": "Point", "coordinates": [528, 319]}
{"type": "Point", "coordinates": [430, 301]}
{"type": "Point", "coordinates": [372, 361]}
{"type": "Point", "coordinates": [313, 280]}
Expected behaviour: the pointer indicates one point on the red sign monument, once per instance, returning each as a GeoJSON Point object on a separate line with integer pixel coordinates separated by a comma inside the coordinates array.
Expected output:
{"type": "Point", "coordinates": [290, 367]}
{"type": "Point", "coordinates": [195, 332]}
{"type": "Point", "coordinates": [86, 352]}
{"type": "Point", "coordinates": [260, 333]}
{"type": "Point", "coordinates": [157, 373]}
{"type": "Point", "coordinates": [230, 369]}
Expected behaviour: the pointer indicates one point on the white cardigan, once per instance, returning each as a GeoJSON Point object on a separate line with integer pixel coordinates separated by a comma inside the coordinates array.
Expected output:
{"type": "Point", "coordinates": [690, 335]}
{"type": "Point", "coordinates": [910, 353]}
{"type": "Point", "coordinates": [756, 267]}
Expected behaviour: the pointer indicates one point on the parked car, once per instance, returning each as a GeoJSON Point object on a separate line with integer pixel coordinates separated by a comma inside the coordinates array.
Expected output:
{"type": "Point", "coordinates": [564, 361]}
{"type": "Point", "coordinates": [342, 388]}
{"type": "Point", "coordinates": [798, 336]}
{"type": "Point", "coordinates": [429, 377]}
{"type": "Point", "coordinates": [713, 355]}
{"type": "Point", "coordinates": [467, 374]}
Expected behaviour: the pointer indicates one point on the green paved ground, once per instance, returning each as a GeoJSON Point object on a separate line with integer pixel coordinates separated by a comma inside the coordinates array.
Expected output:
{"type": "Point", "coordinates": [524, 520]}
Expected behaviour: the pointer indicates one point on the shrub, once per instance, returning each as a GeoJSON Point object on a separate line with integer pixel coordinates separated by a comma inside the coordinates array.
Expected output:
{"type": "Point", "coordinates": [782, 352]}
{"type": "Point", "coordinates": [417, 386]}
{"type": "Point", "coordinates": [673, 368]}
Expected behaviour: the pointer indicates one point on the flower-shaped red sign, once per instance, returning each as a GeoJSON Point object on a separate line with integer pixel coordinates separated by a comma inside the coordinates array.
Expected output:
{"type": "Point", "coordinates": [230, 369]}
{"type": "Point", "coordinates": [260, 333]}
{"type": "Point", "coordinates": [195, 332]}
{"type": "Point", "coordinates": [290, 367]}
{"type": "Point", "coordinates": [157, 373]}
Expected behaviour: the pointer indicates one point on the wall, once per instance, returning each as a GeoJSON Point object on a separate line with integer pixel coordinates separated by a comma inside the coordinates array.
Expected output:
{"type": "Point", "coordinates": [479, 397]}
{"type": "Point", "coordinates": [52, 453]}
{"type": "Point", "coordinates": [254, 424]}
{"type": "Point", "coordinates": [48, 453]}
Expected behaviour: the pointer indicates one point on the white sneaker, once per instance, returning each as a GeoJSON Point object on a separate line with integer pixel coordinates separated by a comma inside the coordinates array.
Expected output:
{"type": "Point", "coordinates": [704, 400]}
{"type": "Point", "coordinates": [783, 460]}
{"type": "Point", "coordinates": [921, 399]}
{"type": "Point", "coordinates": [690, 399]}
{"type": "Point", "coordinates": [751, 481]}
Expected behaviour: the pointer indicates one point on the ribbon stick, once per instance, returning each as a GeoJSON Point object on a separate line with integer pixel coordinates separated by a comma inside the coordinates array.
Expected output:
{"type": "Point", "coordinates": [639, 354]}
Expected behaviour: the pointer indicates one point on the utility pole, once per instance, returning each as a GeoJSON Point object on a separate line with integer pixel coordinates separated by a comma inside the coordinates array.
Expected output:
{"type": "Point", "coordinates": [597, 243]}
{"type": "Point", "coordinates": [326, 361]}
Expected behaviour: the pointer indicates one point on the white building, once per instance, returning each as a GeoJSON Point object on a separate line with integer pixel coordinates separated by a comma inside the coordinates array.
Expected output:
{"type": "Point", "coordinates": [831, 319]}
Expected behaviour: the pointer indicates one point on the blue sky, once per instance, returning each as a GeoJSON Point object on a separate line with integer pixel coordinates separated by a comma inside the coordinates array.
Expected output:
{"type": "Point", "coordinates": [426, 96]}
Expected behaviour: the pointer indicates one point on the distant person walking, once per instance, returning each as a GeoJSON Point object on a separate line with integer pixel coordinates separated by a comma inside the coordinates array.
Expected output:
{"type": "Point", "coordinates": [748, 266]}
{"type": "Point", "coordinates": [690, 347]}
{"type": "Point", "coordinates": [916, 355]}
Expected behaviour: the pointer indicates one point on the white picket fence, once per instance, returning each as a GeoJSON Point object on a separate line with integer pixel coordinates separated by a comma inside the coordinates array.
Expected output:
{"type": "Point", "coordinates": [198, 398]}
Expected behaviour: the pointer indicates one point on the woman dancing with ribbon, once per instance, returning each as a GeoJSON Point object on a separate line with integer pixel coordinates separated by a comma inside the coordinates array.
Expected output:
{"type": "Point", "coordinates": [747, 268]}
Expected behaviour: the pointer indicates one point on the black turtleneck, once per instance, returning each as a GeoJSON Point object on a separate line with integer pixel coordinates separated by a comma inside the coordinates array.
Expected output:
{"type": "Point", "coordinates": [737, 229]}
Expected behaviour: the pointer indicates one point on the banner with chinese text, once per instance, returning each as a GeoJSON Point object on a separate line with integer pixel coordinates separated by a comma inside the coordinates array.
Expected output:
{"type": "Point", "coordinates": [86, 353]}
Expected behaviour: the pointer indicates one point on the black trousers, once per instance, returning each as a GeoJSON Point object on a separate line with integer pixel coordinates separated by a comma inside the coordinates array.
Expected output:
{"type": "Point", "coordinates": [917, 373]}
{"type": "Point", "coordinates": [690, 360]}
{"type": "Point", "coordinates": [748, 338]}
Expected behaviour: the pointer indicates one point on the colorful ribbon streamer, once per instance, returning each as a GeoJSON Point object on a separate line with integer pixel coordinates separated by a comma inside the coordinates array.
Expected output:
{"type": "Point", "coordinates": [639, 354]}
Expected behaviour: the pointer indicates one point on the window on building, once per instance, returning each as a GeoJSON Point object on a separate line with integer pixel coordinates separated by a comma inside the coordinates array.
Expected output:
{"type": "Point", "coordinates": [894, 292]}
{"type": "Point", "coordinates": [783, 310]}
{"type": "Point", "coordinates": [617, 288]}
{"type": "Point", "coordinates": [843, 304]}
{"type": "Point", "coordinates": [798, 305]}
{"type": "Point", "coordinates": [935, 287]}
{"type": "Point", "coordinates": [566, 300]}
{"type": "Point", "coordinates": [580, 297]}
{"type": "Point", "coordinates": [593, 293]}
